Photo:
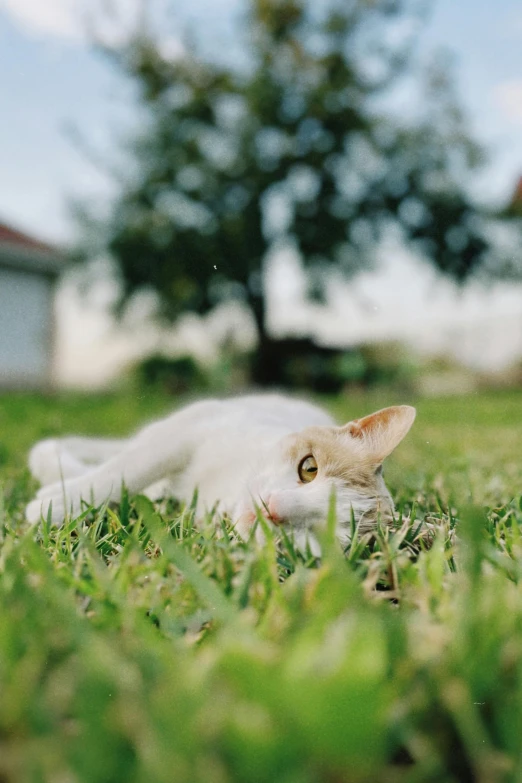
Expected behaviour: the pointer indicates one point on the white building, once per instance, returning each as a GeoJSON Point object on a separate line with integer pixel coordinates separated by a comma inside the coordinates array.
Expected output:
{"type": "Point", "coordinates": [28, 272]}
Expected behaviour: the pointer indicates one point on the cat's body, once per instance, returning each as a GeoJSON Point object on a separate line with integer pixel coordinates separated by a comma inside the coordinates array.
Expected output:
{"type": "Point", "coordinates": [271, 452]}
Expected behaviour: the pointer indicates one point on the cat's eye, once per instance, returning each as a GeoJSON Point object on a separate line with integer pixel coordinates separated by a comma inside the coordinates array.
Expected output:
{"type": "Point", "coordinates": [307, 469]}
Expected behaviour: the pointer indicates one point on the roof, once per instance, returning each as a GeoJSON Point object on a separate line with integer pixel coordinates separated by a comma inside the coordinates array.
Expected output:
{"type": "Point", "coordinates": [21, 251]}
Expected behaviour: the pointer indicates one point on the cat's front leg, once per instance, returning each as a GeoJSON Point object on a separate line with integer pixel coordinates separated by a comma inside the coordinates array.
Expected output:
{"type": "Point", "coordinates": [150, 456]}
{"type": "Point", "coordinates": [39, 508]}
{"type": "Point", "coordinates": [59, 500]}
{"type": "Point", "coordinates": [161, 450]}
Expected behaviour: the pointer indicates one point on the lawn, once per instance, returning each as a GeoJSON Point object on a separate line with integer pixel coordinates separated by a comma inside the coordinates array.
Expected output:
{"type": "Point", "coordinates": [134, 647]}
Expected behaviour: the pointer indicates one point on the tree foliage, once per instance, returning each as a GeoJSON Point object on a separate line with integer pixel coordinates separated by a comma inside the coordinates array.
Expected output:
{"type": "Point", "coordinates": [293, 145]}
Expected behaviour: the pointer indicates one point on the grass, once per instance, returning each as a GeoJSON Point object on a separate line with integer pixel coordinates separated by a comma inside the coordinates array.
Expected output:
{"type": "Point", "coordinates": [135, 647]}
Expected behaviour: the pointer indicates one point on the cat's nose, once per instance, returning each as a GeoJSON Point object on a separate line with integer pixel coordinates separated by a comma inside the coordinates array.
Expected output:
{"type": "Point", "coordinates": [272, 512]}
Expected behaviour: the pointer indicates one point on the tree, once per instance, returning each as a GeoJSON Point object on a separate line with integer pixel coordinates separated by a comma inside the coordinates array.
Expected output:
{"type": "Point", "coordinates": [292, 146]}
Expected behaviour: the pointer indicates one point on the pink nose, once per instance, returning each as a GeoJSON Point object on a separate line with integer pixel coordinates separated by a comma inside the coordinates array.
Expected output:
{"type": "Point", "coordinates": [272, 512]}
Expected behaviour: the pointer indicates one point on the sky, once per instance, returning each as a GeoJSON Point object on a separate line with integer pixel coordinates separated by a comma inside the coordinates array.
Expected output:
{"type": "Point", "coordinates": [53, 84]}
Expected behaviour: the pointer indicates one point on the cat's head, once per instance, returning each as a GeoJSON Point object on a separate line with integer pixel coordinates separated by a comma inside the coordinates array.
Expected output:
{"type": "Point", "coordinates": [306, 468]}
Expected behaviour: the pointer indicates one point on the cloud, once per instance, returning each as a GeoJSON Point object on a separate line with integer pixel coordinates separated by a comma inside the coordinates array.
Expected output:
{"type": "Point", "coordinates": [57, 18]}
{"type": "Point", "coordinates": [508, 97]}
{"type": "Point", "coordinates": [73, 19]}
{"type": "Point", "coordinates": [76, 21]}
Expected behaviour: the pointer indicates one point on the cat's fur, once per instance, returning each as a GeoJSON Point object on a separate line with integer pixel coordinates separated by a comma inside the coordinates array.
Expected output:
{"type": "Point", "coordinates": [241, 454]}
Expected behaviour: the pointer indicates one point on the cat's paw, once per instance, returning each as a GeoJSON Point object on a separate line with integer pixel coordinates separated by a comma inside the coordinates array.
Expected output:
{"type": "Point", "coordinates": [44, 462]}
{"type": "Point", "coordinates": [42, 508]}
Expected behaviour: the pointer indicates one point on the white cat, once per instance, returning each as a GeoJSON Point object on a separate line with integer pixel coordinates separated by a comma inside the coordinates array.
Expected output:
{"type": "Point", "coordinates": [270, 452]}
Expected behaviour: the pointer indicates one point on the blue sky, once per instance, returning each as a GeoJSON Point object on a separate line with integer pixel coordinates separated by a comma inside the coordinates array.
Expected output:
{"type": "Point", "coordinates": [52, 80]}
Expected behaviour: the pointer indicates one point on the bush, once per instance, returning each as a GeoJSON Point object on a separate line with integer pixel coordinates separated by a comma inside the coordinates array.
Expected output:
{"type": "Point", "coordinates": [300, 363]}
{"type": "Point", "coordinates": [176, 375]}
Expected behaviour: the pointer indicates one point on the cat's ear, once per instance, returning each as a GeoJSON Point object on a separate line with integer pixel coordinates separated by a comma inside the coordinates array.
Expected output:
{"type": "Point", "coordinates": [382, 431]}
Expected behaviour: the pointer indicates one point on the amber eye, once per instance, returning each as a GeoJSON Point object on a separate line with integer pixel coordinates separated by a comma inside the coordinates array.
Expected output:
{"type": "Point", "coordinates": [307, 469]}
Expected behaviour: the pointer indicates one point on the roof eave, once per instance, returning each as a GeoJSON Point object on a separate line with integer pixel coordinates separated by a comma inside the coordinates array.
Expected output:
{"type": "Point", "coordinates": [31, 260]}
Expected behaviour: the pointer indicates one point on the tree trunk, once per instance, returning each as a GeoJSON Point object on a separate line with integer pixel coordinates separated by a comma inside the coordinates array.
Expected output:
{"type": "Point", "coordinates": [265, 370]}
{"type": "Point", "coordinates": [296, 362]}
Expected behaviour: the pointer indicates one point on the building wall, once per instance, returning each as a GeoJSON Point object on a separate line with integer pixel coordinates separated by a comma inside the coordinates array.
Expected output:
{"type": "Point", "coordinates": [25, 329]}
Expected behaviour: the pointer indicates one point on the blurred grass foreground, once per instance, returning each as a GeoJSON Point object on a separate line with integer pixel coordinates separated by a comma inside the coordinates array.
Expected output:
{"type": "Point", "coordinates": [135, 647]}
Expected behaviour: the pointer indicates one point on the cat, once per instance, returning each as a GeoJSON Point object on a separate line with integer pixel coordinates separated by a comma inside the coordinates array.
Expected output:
{"type": "Point", "coordinates": [271, 454]}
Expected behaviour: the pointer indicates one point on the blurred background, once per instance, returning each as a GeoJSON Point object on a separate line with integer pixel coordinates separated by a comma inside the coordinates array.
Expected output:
{"type": "Point", "coordinates": [220, 194]}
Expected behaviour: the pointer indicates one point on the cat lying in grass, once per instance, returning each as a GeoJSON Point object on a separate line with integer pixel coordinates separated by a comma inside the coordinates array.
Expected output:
{"type": "Point", "coordinates": [269, 452]}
